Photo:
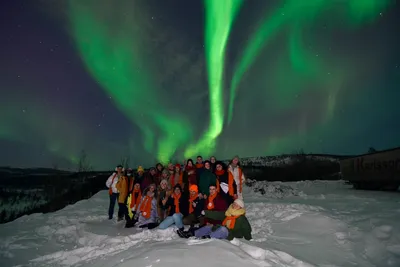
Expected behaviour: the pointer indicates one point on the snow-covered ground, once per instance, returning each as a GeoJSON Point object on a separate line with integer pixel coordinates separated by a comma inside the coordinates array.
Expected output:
{"type": "Point", "coordinates": [321, 223]}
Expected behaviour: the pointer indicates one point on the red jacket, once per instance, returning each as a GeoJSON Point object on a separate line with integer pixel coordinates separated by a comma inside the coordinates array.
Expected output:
{"type": "Point", "coordinates": [220, 204]}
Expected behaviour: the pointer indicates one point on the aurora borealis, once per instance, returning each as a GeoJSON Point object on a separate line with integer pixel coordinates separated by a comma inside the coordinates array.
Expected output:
{"type": "Point", "coordinates": [164, 80]}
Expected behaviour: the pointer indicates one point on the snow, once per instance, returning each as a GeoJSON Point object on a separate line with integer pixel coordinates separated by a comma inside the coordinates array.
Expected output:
{"type": "Point", "coordinates": [283, 160]}
{"type": "Point", "coordinates": [309, 223]}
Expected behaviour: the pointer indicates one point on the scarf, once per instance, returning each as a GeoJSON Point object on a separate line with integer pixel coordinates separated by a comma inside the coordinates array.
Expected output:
{"type": "Point", "coordinates": [112, 181]}
{"type": "Point", "coordinates": [145, 208]}
{"type": "Point", "coordinates": [231, 180]}
{"type": "Point", "coordinates": [172, 179]}
{"type": "Point", "coordinates": [199, 165]}
{"type": "Point", "coordinates": [231, 216]}
{"type": "Point", "coordinates": [191, 199]}
{"type": "Point", "coordinates": [176, 202]}
{"type": "Point", "coordinates": [210, 205]}
{"type": "Point", "coordinates": [135, 201]}
{"type": "Point", "coordinates": [219, 173]}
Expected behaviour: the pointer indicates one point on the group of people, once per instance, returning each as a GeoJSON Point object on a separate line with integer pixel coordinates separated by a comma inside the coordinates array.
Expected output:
{"type": "Point", "coordinates": [206, 195]}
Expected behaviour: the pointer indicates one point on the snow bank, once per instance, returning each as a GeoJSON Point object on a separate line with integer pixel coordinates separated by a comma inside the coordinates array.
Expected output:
{"type": "Point", "coordinates": [342, 228]}
{"type": "Point", "coordinates": [272, 189]}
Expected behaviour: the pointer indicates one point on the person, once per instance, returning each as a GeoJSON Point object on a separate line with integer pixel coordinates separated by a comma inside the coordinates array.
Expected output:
{"type": "Point", "coordinates": [189, 175]}
{"type": "Point", "coordinates": [234, 224]}
{"type": "Point", "coordinates": [133, 202]}
{"type": "Point", "coordinates": [207, 178]}
{"type": "Point", "coordinates": [213, 161]}
{"type": "Point", "coordinates": [179, 207]}
{"type": "Point", "coordinates": [199, 166]}
{"type": "Point", "coordinates": [149, 178]}
{"type": "Point", "coordinates": [123, 188]}
{"type": "Point", "coordinates": [177, 176]}
{"type": "Point", "coordinates": [112, 189]}
{"type": "Point", "coordinates": [159, 169]}
{"type": "Point", "coordinates": [225, 187]}
{"type": "Point", "coordinates": [213, 202]}
{"type": "Point", "coordinates": [140, 176]}
{"type": "Point", "coordinates": [196, 206]}
{"type": "Point", "coordinates": [235, 172]}
{"type": "Point", "coordinates": [163, 189]}
{"type": "Point", "coordinates": [147, 212]}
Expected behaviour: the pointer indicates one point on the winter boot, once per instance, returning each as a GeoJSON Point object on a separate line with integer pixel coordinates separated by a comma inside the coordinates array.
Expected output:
{"type": "Point", "coordinates": [181, 232]}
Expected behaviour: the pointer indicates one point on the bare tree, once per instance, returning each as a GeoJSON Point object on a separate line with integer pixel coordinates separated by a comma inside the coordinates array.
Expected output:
{"type": "Point", "coordinates": [371, 150]}
{"type": "Point", "coordinates": [124, 162]}
{"type": "Point", "coordinates": [84, 164]}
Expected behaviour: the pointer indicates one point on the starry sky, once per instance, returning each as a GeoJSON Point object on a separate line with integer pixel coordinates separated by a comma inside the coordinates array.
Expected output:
{"type": "Point", "coordinates": [160, 80]}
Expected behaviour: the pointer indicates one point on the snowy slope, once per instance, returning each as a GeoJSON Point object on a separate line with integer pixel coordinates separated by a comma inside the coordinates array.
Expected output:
{"type": "Point", "coordinates": [322, 224]}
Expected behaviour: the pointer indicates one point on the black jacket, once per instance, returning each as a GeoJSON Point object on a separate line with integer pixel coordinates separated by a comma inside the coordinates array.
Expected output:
{"type": "Point", "coordinates": [199, 206]}
{"type": "Point", "coordinates": [183, 205]}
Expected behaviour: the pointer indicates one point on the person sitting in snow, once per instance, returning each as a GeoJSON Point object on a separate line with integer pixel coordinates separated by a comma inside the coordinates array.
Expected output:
{"type": "Point", "coordinates": [146, 216]}
{"type": "Point", "coordinates": [122, 186]}
{"type": "Point", "coordinates": [235, 173]}
{"type": "Point", "coordinates": [213, 202]}
{"type": "Point", "coordinates": [234, 224]}
{"type": "Point", "coordinates": [179, 207]}
{"type": "Point", "coordinates": [225, 187]}
{"type": "Point", "coordinates": [163, 188]}
{"type": "Point", "coordinates": [196, 205]}
{"type": "Point", "coordinates": [133, 203]}
{"type": "Point", "coordinates": [113, 191]}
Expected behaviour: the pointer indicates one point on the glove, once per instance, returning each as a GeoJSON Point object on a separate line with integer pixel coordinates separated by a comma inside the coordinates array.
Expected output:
{"type": "Point", "coordinates": [203, 213]}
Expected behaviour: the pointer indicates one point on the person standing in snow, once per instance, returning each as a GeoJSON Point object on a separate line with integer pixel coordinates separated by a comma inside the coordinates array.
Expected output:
{"type": "Point", "coordinates": [213, 161]}
{"type": "Point", "coordinates": [199, 167]}
{"type": "Point", "coordinates": [177, 176]}
{"type": "Point", "coordinates": [189, 175]}
{"type": "Point", "coordinates": [225, 187]}
{"type": "Point", "coordinates": [235, 172]}
{"type": "Point", "coordinates": [196, 205]}
{"type": "Point", "coordinates": [234, 224]}
{"type": "Point", "coordinates": [207, 178]}
{"type": "Point", "coordinates": [133, 203]}
{"type": "Point", "coordinates": [148, 178]}
{"type": "Point", "coordinates": [123, 189]}
{"type": "Point", "coordinates": [112, 189]}
{"type": "Point", "coordinates": [179, 207]}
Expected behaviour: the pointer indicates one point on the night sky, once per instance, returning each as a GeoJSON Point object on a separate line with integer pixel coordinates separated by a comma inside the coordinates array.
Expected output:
{"type": "Point", "coordinates": [166, 80]}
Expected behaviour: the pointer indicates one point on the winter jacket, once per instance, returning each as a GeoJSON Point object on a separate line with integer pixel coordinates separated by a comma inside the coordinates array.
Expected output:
{"type": "Point", "coordinates": [220, 204]}
{"type": "Point", "coordinates": [239, 178]}
{"type": "Point", "coordinates": [183, 205]}
{"type": "Point", "coordinates": [112, 182]}
{"type": "Point", "coordinates": [242, 227]}
{"type": "Point", "coordinates": [189, 179]}
{"type": "Point", "coordinates": [122, 186]}
{"type": "Point", "coordinates": [199, 206]}
{"type": "Point", "coordinates": [146, 180]}
{"type": "Point", "coordinates": [207, 178]}
{"type": "Point", "coordinates": [222, 183]}
{"type": "Point", "coordinates": [153, 215]}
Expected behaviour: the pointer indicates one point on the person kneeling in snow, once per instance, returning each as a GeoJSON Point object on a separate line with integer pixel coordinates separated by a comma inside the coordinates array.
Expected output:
{"type": "Point", "coordinates": [146, 215]}
{"type": "Point", "coordinates": [133, 203]}
{"type": "Point", "coordinates": [234, 224]}
{"type": "Point", "coordinates": [179, 206]}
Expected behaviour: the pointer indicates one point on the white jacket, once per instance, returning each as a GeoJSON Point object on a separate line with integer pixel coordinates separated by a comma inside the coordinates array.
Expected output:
{"type": "Point", "coordinates": [112, 182]}
{"type": "Point", "coordinates": [235, 173]}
